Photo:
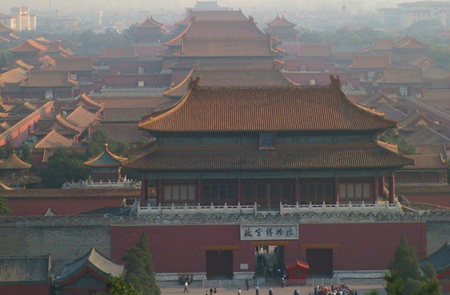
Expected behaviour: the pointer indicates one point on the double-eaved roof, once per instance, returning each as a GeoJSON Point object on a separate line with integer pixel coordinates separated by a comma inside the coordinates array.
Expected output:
{"type": "Point", "coordinates": [228, 109]}
{"type": "Point", "coordinates": [272, 109]}
{"type": "Point", "coordinates": [300, 156]}
{"type": "Point", "coordinates": [226, 77]}
{"type": "Point", "coordinates": [280, 22]}
{"type": "Point", "coordinates": [218, 29]}
{"type": "Point", "coordinates": [149, 23]}
{"type": "Point", "coordinates": [216, 15]}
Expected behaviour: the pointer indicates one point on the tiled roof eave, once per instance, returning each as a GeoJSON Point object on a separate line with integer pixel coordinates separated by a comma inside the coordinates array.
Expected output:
{"type": "Point", "coordinates": [276, 160]}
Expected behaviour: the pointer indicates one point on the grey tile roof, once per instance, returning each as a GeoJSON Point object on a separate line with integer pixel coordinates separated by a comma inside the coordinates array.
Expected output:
{"type": "Point", "coordinates": [96, 261]}
{"type": "Point", "coordinates": [24, 269]}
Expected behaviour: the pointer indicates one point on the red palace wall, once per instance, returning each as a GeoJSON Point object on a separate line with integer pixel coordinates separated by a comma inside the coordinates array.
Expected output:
{"type": "Point", "coordinates": [435, 199]}
{"type": "Point", "coordinates": [25, 289]}
{"type": "Point", "coordinates": [83, 290]}
{"type": "Point", "coordinates": [360, 246]}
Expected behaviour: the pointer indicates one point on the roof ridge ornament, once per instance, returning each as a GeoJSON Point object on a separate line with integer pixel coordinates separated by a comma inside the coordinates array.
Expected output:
{"type": "Point", "coordinates": [277, 64]}
{"type": "Point", "coordinates": [193, 83]}
{"type": "Point", "coordinates": [335, 82]}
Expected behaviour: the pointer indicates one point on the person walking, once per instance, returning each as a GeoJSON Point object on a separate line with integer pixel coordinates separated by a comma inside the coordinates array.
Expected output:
{"type": "Point", "coordinates": [211, 291]}
{"type": "Point", "coordinates": [247, 284]}
{"type": "Point", "coordinates": [270, 291]}
{"type": "Point", "coordinates": [186, 287]}
{"type": "Point", "coordinates": [239, 291]}
{"type": "Point", "coordinates": [256, 290]}
{"type": "Point", "coordinates": [215, 291]}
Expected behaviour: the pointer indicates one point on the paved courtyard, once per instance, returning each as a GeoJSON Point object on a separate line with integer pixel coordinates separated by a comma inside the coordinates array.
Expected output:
{"type": "Point", "coordinates": [197, 288]}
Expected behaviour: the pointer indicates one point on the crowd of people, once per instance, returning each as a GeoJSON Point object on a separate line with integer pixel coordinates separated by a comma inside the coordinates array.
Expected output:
{"type": "Point", "coordinates": [334, 290]}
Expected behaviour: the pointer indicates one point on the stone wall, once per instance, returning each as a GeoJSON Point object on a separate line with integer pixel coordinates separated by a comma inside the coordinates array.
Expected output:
{"type": "Point", "coordinates": [438, 232]}
{"type": "Point", "coordinates": [67, 238]}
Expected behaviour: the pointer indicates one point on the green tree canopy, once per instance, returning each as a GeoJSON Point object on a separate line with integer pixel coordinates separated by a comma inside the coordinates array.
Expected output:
{"type": "Point", "coordinates": [393, 137]}
{"type": "Point", "coordinates": [4, 209]}
{"type": "Point", "coordinates": [405, 276]}
{"type": "Point", "coordinates": [140, 271]}
{"type": "Point", "coordinates": [424, 28]}
{"type": "Point", "coordinates": [405, 262]}
{"type": "Point", "coordinates": [65, 165]}
{"type": "Point", "coordinates": [429, 271]}
{"type": "Point", "coordinates": [97, 144]}
{"type": "Point", "coordinates": [394, 283]}
{"type": "Point", "coordinates": [430, 287]}
{"type": "Point", "coordinates": [118, 286]}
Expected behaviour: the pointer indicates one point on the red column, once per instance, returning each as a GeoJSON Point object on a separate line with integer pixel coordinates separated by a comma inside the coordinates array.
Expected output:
{"type": "Point", "coordinates": [143, 198]}
{"type": "Point", "coordinates": [296, 190]}
{"type": "Point", "coordinates": [159, 192]}
{"type": "Point", "coordinates": [391, 189]}
{"type": "Point", "coordinates": [381, 185]}
{"type": "Point", "coordinates": [239, 189]}
{"type": "Point", "coordinates": [374, 189]}
{"type": "Point", "coordinates": [337, 193]}
{"type": "Point", "coordinates": [198, 191]}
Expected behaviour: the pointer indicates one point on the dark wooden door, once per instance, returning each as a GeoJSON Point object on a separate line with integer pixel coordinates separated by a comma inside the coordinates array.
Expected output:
{"type": "Point", "coordinates": [320, 261]}
{"type": "Point", "coordinates": [219, 264]}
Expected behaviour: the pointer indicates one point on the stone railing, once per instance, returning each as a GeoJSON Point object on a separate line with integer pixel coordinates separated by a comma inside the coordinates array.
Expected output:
{"type": "Point", "coordinates": [329, 208]}
{"type": "Point", "coordinates": [189, 209]}
{"type": "Point", "coordinates": [282, 210]}
{"type": "Point", "coordinates": [89, 184]}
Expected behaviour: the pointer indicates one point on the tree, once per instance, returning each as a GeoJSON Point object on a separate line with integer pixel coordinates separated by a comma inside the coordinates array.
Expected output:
{"type": "Point", "coordinates": [394, 283]}
{"type": "Point", "coordinates": [405, 262]}
{"type": "Point", "coordinates": [441, 54]}
{"type": "Point", "coordinates": [430, 287]}
{"type": "Point", "coordinates": [429, 271]}
{"type": "Point", "coordinates": [26, 154]}
{"type": "Point", "coordinates": [372, 292]}
{"type": "Point", "coordinates": [4, 209]}
{"type": "Point", "coordinates": [97, 144]}
{"type": "Point", "coordinates": [393, 137]}
{"type": "Point", "coordinates": [404, 268]}
{"type": "Point", "coordinates": [65, 165]}
{"type": "Point", "coordinates": [425, 28]}
{"type": "Point", "coordinates": [139, 267]}
{"type": "Point", "coordinates": [118, 286]}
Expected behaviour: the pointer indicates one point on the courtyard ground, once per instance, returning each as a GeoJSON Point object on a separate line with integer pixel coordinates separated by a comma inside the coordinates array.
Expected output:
{"type": "Point", "coordinates": [197, 288]}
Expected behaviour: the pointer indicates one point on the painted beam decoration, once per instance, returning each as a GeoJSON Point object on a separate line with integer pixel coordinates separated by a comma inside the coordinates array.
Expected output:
{"type": "Point", "coordinates": [269, 232]}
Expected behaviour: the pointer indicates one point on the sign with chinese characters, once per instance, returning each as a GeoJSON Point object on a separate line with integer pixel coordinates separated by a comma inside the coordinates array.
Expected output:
{"type": "Point", "coordinates": [269, 232]}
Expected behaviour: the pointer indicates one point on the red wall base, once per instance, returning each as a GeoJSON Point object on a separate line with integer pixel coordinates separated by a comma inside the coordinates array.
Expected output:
{"type": "Point", "coordinates": [25, 289]}
{"type": "Point", "coordinates": [357, 246]}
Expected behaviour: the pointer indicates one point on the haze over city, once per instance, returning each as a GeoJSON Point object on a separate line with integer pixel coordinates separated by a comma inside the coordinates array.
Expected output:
{"type": "Point", "coordinates": [224, 147]}
{"type": "Point", "coordinates": [69, 6]}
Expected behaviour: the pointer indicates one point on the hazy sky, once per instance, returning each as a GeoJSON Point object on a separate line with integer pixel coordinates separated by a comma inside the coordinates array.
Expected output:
{"type": "Point", "coordinates": [74, 6]}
